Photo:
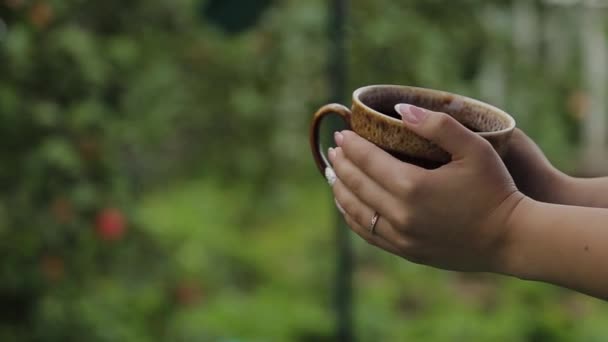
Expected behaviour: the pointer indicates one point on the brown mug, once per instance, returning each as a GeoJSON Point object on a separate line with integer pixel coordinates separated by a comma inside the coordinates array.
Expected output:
{"type": "Point", "coordinates": [374, 118]}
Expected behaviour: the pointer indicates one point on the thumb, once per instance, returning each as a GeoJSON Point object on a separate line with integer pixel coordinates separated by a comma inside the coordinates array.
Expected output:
{"type": "Point", "coordinates": [441, 129]}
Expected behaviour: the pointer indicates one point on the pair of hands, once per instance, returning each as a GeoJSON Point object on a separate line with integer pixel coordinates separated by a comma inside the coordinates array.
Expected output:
{"type": "Point", "coordinates": [455, 217]}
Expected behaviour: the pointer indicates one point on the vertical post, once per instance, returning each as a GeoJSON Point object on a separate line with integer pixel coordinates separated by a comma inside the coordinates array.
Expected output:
{"type": "Point", "coordinates": [526, 43]}
{"type": "Point", "coordinates": [343, 294]}
{"type": "Point", "coordinates": [525, 30]}
{"type": "Point", "coordinates": [595, 58]}
{"type": "Point", "coordinates": [492, 78]}
{"type": "Point", "coordinates": [558, 35]}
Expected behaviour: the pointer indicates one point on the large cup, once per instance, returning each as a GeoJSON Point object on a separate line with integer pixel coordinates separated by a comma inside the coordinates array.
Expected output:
{"type": "Point", "coordinates": [373, 117]}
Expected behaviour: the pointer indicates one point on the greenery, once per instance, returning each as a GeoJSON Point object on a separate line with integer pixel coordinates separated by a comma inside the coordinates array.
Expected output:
{"type": "Point", "coordinates": [157, 183]}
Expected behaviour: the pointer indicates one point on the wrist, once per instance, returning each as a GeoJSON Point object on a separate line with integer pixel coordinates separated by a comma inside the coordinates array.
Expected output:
{"type": "Point", "coordinates": [512, 258]}
{"type": "Point", "coordinates": [562, 187]}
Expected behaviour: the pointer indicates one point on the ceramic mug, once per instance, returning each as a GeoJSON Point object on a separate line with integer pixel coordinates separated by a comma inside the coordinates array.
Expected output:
{"type": "Point", "coordinates": [374, 118]}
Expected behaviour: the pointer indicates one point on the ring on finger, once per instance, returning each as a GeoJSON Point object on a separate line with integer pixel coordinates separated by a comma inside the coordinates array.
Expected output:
{"type": "Point", "coordinates": [373, 222]}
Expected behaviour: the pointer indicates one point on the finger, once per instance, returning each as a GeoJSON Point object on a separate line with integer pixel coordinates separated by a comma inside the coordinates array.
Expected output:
{"type": "Point", "coordinates": [373, 161]}
{"type": "Point", "coordinates": [371, 239]}
{"type": "Point", "coordinates": [364, 188]}
{"type": "Point", "coordinates": [441, 129]}
{"type": "Point", "coordinates": [362, 215]}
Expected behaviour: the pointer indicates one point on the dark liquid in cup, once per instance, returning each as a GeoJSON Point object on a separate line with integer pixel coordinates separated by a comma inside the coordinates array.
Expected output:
{"type": "Point", "coordinates": [384, 102]}
{"type": "Point", "coordinates": [388, 109]}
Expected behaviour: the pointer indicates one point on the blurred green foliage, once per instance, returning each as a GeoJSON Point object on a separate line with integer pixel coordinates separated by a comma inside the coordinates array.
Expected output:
{"type": "Point", "coordinates": [195, 133]}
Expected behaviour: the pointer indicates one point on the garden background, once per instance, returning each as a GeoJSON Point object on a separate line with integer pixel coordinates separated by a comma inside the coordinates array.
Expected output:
{"type": "Point", "coordinates": [157, 184]}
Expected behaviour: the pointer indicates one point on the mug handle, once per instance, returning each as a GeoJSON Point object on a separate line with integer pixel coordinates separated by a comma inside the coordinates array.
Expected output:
{"type": "Point", "coordinates": [315, 144]}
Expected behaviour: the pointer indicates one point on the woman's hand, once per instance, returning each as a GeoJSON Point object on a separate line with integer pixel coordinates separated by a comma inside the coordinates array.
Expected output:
{"type": "Point", "coordinates": [533, 173]}
{"type": "Point", "coordinates": [453, 217]}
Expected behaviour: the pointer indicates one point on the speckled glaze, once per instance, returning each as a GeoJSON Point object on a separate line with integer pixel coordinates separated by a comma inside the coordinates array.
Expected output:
{"type": "Point", "coordinates": [373, 117]}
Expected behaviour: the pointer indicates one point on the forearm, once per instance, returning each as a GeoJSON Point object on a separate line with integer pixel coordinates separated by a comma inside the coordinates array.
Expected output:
{"type": "Point", "coordinates": [562, 245]}
{"type": "Point", "coordinates": [584, 192]}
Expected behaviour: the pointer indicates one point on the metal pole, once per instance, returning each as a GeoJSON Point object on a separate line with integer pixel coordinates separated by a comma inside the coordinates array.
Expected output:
{"type": "Point", "coordinates": [343, 294]}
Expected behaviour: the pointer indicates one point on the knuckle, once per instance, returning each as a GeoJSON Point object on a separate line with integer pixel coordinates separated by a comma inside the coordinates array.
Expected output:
{"type": "Point", "coordinates": [410, 187]}
{"type": "Point", "coordinates": [482, 145]}
{"type": "Point", "coordinates": [365, 158]}
{"type": "Point", "coordinates": [347, 205]}
{"type": "Point", "coordinates": [484, 151]}
{"type": "Point", "coordinates": [444, 122]}
{"type": "Point", "coordinates": [404, 186]}
{"type": "Point", "coordinates": [402, 220]}
{"type": "Point", "coordinates": [419, 186]}
{"type": "Point", "coordinates": [436, 128]}
{"type": "Point", "coordinates": [354, 183]}
{"type": "Point", "coordinates": [359, 217]}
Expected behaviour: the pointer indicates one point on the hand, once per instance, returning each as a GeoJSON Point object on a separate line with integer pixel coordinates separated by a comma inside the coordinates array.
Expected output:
{"type": "Point", "coordinates": [531, 170]}
{"type": "Point", "coordinates": [453, 217]}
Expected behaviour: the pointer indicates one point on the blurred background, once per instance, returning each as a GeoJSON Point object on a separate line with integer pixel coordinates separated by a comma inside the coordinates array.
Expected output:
{"type": "Point", "coordinates": [157, 184]}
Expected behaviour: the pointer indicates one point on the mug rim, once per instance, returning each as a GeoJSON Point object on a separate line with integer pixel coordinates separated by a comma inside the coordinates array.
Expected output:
{"type": "Point", "coordinates": [510, 120]}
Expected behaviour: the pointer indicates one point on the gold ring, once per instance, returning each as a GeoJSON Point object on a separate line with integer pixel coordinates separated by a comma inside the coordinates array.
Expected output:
{"type": "Point", "coordinates": [372, 224]}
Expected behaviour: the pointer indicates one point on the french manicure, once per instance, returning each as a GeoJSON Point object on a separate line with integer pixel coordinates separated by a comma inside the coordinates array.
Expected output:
{"type": "Point", "coordinates": [340, 209]}
{"type": "Point", "coordinates": [411, 114]}
{"type": "Point", "coordinates": [330, 175]}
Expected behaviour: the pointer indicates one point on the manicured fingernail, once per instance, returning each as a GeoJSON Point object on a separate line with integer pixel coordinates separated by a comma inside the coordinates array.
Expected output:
{"type": "Point", "coordinates": [411, 114]}
{"type": "Point", "coordinates": [339, 138]}
{"type": "Point", "coordinates": [331, 153]}
{"type": "Point", "coordinates": [340, 209]}
{"type": "Point", "coordinates": [330, 175]}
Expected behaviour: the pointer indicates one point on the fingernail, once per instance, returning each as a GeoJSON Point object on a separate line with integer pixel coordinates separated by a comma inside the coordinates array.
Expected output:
{"type": "Point", "coordinates": [331, 153]}
{"type": "Point", "coordinates": [340, 209]}
{"type": "Point", "coordinates": [330, 175]}
{"type": "Point", "coordinates": [411, 114]}
{"type": "Point", "coordinates": [339, 138]}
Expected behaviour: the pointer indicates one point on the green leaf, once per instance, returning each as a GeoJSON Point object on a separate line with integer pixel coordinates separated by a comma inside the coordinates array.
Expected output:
{"type": "Point", "coordinates": [59, 152]}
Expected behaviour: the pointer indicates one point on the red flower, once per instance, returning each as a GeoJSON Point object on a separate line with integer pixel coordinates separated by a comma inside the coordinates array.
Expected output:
{"type": "Point", "coordinates": [110, 224]}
